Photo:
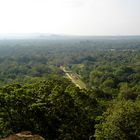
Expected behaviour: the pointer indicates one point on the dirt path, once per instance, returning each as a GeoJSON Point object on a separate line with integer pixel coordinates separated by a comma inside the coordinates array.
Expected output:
{"type": "Point", "coordinates": [74, 78]}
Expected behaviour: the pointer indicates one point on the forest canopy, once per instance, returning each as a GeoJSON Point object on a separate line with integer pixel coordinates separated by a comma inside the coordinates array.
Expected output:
{"type": "Point", "coordinates": [38, 92]}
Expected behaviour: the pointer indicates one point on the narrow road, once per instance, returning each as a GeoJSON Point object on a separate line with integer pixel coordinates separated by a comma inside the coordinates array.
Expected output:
{"type": "Point", "coordinates": [74, 78]}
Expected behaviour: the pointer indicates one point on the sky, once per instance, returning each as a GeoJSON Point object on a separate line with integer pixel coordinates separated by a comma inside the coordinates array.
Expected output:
{"type": "Point", "coordinates": [70, 17]}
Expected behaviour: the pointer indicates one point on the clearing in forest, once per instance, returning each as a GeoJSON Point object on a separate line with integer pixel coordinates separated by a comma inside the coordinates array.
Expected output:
{"type": "Point", "coordinates": [74, 78]}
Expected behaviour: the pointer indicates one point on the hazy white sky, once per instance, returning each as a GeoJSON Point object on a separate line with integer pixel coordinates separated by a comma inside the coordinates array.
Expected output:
{"type": "Point", "coordinates": [74, 17]}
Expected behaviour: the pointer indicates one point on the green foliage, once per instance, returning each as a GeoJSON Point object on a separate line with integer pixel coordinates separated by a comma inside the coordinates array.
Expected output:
{"type": "Point", "coordinates": [41, 100]}
{"type": "Point", "coordinates": [48, 108]}
{"type": "Point", "coordinates": [120, 121]}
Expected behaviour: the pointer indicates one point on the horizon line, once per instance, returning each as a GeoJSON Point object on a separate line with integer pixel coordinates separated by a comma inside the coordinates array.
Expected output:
{"type": "Point", "coordinates": [63, 34]}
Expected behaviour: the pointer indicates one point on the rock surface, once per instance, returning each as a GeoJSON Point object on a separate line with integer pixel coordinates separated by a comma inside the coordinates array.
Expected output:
{"type": "Point", "coordinates": [25, 135]}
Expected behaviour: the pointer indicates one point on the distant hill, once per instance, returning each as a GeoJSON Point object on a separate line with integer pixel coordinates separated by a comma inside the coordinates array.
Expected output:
{"type": "Point", "coordinates": [61, 36]}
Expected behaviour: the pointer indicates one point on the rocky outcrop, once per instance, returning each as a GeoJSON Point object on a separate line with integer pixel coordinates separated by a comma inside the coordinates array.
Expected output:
{"type": "Point", "coordinates": [25, 135]}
